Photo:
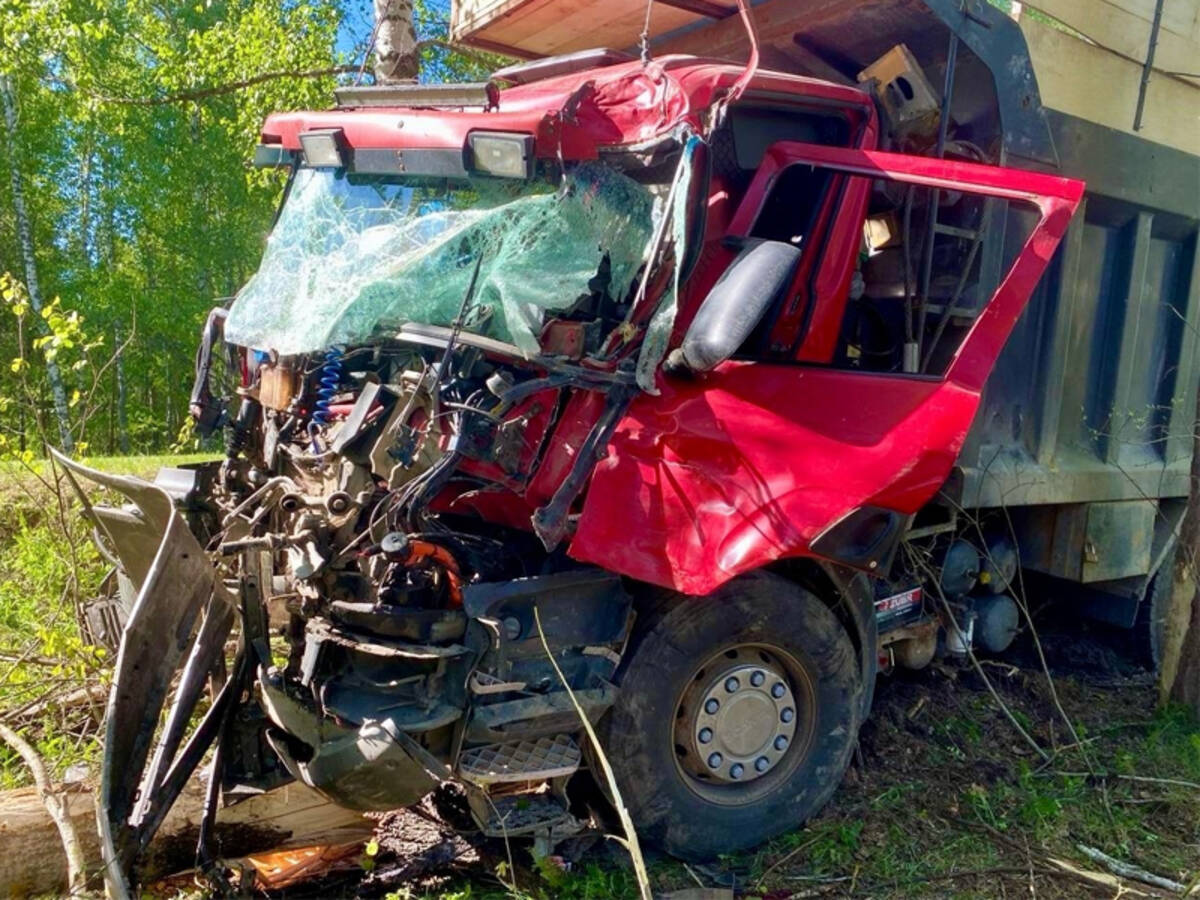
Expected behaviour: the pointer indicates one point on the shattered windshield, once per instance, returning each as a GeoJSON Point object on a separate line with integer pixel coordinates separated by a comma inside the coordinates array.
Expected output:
{"type": "Point", "coordinates": [354, 257]}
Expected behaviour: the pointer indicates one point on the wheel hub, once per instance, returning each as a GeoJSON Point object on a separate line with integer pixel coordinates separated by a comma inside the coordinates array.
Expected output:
{"type": "Point", "coordinates": [738, 720]}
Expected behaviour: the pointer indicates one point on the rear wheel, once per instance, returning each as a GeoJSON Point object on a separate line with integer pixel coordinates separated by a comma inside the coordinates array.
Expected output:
{"type": "Point", "coordinates": [736, 717]}
{"type": "Point", "coordinates": [1149, 629]}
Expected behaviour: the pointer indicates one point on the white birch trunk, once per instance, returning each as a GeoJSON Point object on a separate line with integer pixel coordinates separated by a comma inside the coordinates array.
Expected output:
{"type": "Point", "coordinates": [25, 239]}
{"type": "Point", "coordinates": [396, 56]}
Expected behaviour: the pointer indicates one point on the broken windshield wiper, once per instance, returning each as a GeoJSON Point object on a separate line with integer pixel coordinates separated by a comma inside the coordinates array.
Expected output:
{"type": "Point", "coordinates": [457, 325]}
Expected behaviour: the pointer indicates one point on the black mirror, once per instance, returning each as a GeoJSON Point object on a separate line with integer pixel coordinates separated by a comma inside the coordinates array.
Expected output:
{"type": "Point", "coordinates": [735, 305]}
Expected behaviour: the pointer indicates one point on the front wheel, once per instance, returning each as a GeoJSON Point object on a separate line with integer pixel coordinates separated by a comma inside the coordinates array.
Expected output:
{"type": "Point", "coordinates": [736, 717]}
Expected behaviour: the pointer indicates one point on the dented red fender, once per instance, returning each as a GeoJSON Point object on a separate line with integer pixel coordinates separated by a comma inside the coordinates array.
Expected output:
{"type": "Point", "coordinates": [753, 462]}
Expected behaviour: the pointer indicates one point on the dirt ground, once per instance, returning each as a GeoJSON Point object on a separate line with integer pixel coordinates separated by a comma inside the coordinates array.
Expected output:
{"type": "Point", "coordinates": [944, 798]}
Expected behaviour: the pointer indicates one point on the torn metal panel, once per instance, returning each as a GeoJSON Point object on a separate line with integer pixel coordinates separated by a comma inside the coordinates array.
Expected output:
{"type": "Point", "coordinates": [158, 638]}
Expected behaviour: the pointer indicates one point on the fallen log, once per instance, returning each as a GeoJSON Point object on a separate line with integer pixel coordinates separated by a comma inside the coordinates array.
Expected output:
{"type": "Point", "coordinates": [32, 861]}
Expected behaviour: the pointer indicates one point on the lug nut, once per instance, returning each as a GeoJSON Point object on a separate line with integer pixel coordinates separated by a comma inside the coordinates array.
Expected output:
{"type": "Point", "coordinates": [781, 742]}
{"type": "Point", "coordinates": [787, 715]}
{"type": "Point", "coordinates": [736, 770]}
{"type": "Point", "coordinates": [777, 690]}
{"type": "Point", "coordinates": [705, 735]}
{"type": "Point", "coordinates": [714, 760]}
{"type": "Point", "coordinates": [757, 679]}
{"type": "Point", "coordinates": [732, 684]}
{"type": "Point", "coordinates": [711, 706]}
{"type": "Point", "coordinates": [761, 764]}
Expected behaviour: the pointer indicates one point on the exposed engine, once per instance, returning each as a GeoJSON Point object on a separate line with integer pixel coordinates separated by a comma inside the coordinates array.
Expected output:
{"type": "Point", "coordinates": [399, 628]}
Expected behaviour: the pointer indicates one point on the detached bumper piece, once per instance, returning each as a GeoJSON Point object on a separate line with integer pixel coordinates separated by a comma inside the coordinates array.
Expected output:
{"type": "Point", "coordinates": [178, 625]}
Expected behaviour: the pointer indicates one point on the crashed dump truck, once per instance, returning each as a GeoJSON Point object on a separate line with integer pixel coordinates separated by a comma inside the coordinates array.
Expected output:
{"type": "Point", "coordinates": [689, 394]}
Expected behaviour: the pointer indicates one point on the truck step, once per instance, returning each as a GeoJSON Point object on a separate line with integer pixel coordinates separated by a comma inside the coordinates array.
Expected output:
{"type": "Point", "coordinates": [517, 814]}
{"type": "Point", "coordinates": [528, 760]}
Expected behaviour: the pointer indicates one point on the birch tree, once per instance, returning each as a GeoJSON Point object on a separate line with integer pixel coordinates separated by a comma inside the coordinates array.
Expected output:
{"type": "Point", "coordinates": [28, 257]}
{"type": "Point", "coordinates": [397, 55]}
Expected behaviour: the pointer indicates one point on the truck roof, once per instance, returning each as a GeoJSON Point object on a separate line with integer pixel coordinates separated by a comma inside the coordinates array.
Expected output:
{"type": "Point", "coordinates": [576, 114]}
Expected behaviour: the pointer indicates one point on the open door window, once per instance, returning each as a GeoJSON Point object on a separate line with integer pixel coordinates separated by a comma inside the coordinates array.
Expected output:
{"type": "Point", "coordinates": [759, 458]}
{"type": "Point", "coordinates": [900, 254]}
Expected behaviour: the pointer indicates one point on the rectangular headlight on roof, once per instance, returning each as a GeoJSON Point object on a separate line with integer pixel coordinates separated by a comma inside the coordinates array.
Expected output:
{"type": "Point", "coordinates": [322, 148]}
{"type": "Point", "coordinates": [504, 154]}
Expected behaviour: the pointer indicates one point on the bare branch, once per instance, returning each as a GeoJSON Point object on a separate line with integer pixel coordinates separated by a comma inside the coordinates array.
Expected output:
{"type": "Point", "coordinates": [230, 88]}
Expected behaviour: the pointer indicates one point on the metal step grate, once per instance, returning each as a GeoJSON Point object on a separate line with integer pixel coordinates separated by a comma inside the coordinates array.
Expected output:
{"type": "Point", "coordinates": [522, 813]}
{"type": "Point", "coordinates": [530, 760]}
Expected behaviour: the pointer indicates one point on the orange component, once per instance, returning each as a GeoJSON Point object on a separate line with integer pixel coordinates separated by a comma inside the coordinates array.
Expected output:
{"type": "Point", "coordinates": [426, 551]}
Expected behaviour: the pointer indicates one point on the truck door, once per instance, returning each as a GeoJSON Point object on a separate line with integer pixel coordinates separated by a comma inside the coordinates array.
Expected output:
{"type": "Point", "coordinates": [812, 440]}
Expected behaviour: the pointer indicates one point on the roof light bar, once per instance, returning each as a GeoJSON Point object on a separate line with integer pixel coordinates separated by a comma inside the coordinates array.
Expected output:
{"type": "Point", "coordinates": [482, 94]}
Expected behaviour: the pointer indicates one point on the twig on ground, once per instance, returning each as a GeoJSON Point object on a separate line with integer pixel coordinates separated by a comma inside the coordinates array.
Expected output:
{"type": "Point", "coordinates": [55, 807]}
{"type": "Point", "coordinates": [1128, 870]}
{"type": "Point", "coordinates": [1145, 779]}
{"type": "Point", "coordinates": [84, 696]}
{"type": "Point", "coordinates": [26, 659]}
{"type": "Point", "coordinates": [1093, 878]}
{"type": "Point", "coordinates": [783, 859]}
{"type": "Point", "coordinates": [695, 877]}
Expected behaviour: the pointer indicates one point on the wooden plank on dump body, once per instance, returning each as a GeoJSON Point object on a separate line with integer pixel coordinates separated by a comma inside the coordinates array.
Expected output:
{"type": "Point", "coordinates": [548, 27]}
{"type": "Point", "coordinates": [1091, 83]}
{"type": "Point", "coordinates": [1124, 26]}
{"type": "Point", "coordinates": [32, 861]}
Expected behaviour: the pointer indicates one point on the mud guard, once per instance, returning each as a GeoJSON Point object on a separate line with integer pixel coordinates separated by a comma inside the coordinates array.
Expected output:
{"type": "Point", "coordinates": [181, 618]}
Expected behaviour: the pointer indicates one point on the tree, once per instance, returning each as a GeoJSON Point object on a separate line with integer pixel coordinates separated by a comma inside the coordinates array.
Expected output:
{"type": "Point", "coordinates": [28, 256]}
{"type": "Point", "coordinates": [397, 56]}
{"type": "Point", "coordinates": [132, 124]}
{"type": "Point", "coordinates": [1179, 676]}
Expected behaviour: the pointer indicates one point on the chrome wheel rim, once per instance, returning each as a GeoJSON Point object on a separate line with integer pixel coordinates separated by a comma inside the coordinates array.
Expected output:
{"type": "Point", "coordinates": [743, 723]}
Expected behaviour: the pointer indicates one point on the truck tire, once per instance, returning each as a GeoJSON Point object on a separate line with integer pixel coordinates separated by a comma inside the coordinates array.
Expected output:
{"type": "Point", "coordinates": [736, 716]}
{"type": "Point", "coordinates": [1149, 628]}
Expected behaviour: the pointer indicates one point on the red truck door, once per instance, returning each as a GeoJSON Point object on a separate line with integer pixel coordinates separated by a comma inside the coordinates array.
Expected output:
{"type": "Point", "coordinates": [766, 458]}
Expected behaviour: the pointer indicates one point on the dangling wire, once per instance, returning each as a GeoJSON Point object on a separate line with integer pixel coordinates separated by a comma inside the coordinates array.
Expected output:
{"type": "Point", "coordinates": [644, 40]}
{"type": "Point", "coordinates": [739, 86]}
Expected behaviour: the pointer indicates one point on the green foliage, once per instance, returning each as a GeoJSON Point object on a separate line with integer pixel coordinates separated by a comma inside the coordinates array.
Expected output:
{"type": "Point", "coordinates": [39, 565]}
{"type": "Point", "coordinates": [48, 569]}
{"type": "Point", "coordinates": [63, 340]}
{"type": "Point", "coordinates": [143, 213]}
